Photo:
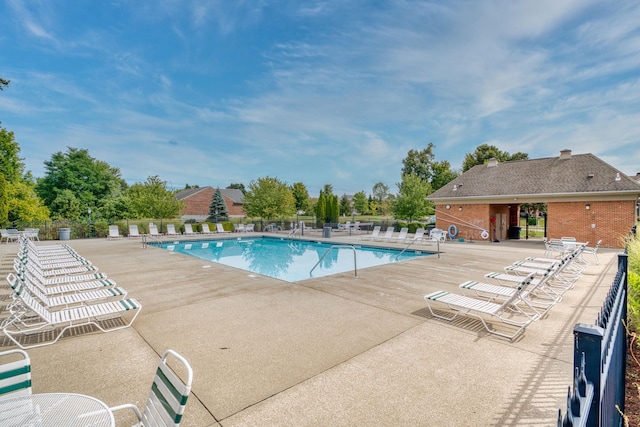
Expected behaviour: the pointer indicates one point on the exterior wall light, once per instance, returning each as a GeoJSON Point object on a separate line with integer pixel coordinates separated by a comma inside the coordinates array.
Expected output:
{"type": "Point", "coordinates": [587, 206]}
{"type": "Point", "coordinates": [448, 207]}
{"type": "Point", "coordinates": [460, 208]}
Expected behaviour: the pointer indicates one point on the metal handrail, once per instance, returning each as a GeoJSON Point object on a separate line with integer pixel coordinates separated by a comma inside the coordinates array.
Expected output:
{"type": "Point", "coordinates": [355, 262]}
{"type": "Point", "coordinates": [405, 248]}
{"type": "Point", "coordinates": [412, 242]}
{"type": "Point", "coordinates": [147, 237]}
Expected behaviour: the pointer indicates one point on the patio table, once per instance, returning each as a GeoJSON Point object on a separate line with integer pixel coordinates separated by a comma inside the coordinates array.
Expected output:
{"type": "Point", "coordinates": [55, 409]}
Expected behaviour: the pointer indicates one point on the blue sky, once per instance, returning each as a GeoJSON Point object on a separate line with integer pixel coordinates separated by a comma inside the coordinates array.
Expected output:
{"type": "Point", "coordinates": [319, 92]}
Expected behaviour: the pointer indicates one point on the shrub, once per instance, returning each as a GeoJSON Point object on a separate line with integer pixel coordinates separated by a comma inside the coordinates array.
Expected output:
{"type": "Point", "coordinates": [633, 298]}
{"type": "Point", "coordinates": [101, 228]}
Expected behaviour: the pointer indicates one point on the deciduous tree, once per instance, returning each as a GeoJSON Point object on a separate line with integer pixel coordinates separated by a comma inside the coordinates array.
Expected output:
{"type": "Point", "coordinates": [237, 186]}
{"type": "Point", "coordinates": [484, 152]}
{"type": "Point", "coordinates": [412, 202]}
{"type": "Point", "coordinates": [361, 203]}
{"type": "Point", "coordinates": [301, 196]}
{"type": "Point", "coordinates": [269, 198]}
{"type": "Point", "coordinates": [152, 199]}
{"type": "Point", "coordinates": [91, 181]}
{"type": "Point", "coordinates": [21, 201]}
{"type": "Point", "coordinates": [442, 174]}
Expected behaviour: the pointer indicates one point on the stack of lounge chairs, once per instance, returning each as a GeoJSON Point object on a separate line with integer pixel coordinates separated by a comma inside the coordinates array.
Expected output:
{"type": "Point", "coordinates": [55, 289]}
{"type": "Point", "coordinates": [523, 293]}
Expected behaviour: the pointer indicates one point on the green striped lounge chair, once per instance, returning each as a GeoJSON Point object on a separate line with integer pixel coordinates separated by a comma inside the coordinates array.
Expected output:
{"type": "Point", "coordinates": [64, 288]}
{"type": "Point", "coordinates": [69, 299]}
{"type": "Point", "coordinates": [506, 312]}
{"type": "Point", "coordinates": [168, 396]}
{"type": "Point", "coordinates": [15, 376]}
{"type": "Point", "coordinates": [29, 317]}
{"type": "Point", "coordinates": [57, 280]}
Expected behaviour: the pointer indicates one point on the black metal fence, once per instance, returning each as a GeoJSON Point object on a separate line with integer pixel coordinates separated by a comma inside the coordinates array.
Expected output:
{"type": "Point", "coordinates": [600, 362]}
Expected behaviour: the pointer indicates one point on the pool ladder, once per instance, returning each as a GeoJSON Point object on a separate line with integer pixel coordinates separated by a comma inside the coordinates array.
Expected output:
{"type": "Point", "coordinates": [147, 238]}
{"type": "Point", "coordinates": [355, 262]}
{"type": "Point", "coordinates": [411, 243]}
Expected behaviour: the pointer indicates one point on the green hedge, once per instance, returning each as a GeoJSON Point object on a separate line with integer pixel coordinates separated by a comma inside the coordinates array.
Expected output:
{"type": "Point", "coordinates": [633, 298]}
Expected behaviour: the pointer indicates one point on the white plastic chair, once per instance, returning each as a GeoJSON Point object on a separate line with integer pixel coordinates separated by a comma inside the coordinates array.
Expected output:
{"type": "Point", "coordinates": [168, 397]}
{"type": "Point", "coordinates": [593, 251]}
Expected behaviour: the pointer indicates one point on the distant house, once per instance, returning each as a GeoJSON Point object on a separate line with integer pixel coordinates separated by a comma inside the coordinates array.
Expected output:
{"type": "Point", "coordinates": [197, 202]}
{"type": "Point", "coordinates": [586, 198]}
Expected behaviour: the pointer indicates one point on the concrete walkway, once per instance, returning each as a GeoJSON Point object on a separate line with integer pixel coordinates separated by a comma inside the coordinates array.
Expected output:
{"type": "Point", "coordinates": [336, 350]}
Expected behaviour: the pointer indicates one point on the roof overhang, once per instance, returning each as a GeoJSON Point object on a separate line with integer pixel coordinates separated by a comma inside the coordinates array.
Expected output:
{"type": "Point", "coordinates": [539, 198]}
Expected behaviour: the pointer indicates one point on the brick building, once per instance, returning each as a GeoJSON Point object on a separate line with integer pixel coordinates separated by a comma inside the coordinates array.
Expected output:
{"type": "Point", "coordinates": [586, 198]}
{"type": "Point", "coordinates": [197, 201]}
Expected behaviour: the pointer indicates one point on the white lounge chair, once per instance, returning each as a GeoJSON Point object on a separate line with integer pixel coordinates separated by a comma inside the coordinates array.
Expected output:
{"type": "Point", "coordinates": [305, 228]}
{"type": "Point", "coordinates": [66, 300]}
{"type": "Point", "coordinates": [168, 397]}
{"type": "Point", "coordinates": [402, 235]}
{"type": "Point", "coordinates": [205, 229]}
{"type": "Point", "coordinates": [54, 262]}
{"type": "Point", "coordinates": [238, 228]}
{"type": "Point", "coordinates": [418, 237]}
{"type": "Point", "coordinates": [539, 305]}
{"type": "Point", "coordinates": [35, 318]}
{"type": "Point", "coordinates": [59, 279]}
{"type": "Point", "coordinates": [15, 375]}
{"type": "Point", "coordinates": [374, 233]}
{"type": "Point", "coordinates": [153, 231]}
{"type": "Point", "coordinates": [114, 232]}
{"type": "Point", "coordinates": [59, 270]}
{"type": "Point", "coordinates": [388, 234]}
{"type": "Point", "coordinates": [188, 229]}
{"type": "Point", "coordinates": [249, 228]}
{"type": "Point", "coordinates": [133, 231]}
{"type": "Point", "coordinates": [47, 250]}
{"type": "Point", "coordinates": [504, 312]}
{"type": "Point", "coordinates": [171, 230]}
{"type": "Point", "coordinates": [65, 287]}
{"type": "Point", "coordinates": [220, 228]}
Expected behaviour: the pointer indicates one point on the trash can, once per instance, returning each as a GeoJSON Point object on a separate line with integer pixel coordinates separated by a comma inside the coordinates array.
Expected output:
{"type": "Point", "coordinates": [514, 232]}
{"type": "Point", "coordinates": [64, 233]}
{"type": "Point", "coordinates": [326, 232]}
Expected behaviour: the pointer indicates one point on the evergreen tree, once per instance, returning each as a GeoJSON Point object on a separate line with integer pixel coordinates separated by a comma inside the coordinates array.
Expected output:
{"type": "Point", "coordinates": [218, 208]}
{"type": "Point", "coordinates": [321, 207]}
{"type": "Point", "coordinates": [345, 205]}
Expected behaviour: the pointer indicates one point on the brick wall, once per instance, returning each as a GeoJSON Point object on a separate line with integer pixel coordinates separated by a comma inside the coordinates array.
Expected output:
{"type": "Point", "coordinates": [609, 221]}
{"type": "Point", "coordinates": [470, 221]}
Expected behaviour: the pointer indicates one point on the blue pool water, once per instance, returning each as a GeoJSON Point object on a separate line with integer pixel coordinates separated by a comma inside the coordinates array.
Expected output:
{"type": "Point", "coordinates": [289, 260]}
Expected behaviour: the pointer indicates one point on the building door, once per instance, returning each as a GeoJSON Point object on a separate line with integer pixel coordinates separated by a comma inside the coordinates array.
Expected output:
{"type": "Point", "coordinates": [501, 226]}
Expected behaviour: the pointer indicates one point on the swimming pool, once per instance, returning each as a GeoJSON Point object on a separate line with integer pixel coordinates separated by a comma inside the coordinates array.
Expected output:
{"type": "Point", "coordinates": [289, 260]}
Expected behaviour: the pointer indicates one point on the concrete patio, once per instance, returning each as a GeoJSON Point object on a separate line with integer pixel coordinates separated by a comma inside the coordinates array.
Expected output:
{"type": "Point", "coordinates": [337, 350]}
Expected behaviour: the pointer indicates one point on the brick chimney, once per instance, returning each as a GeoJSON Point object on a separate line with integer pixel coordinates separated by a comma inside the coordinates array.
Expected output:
{"type": "Point", "coordinates": [565, 154]}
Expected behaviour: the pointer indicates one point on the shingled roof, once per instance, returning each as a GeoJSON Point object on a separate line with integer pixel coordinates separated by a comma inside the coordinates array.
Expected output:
{"type": "Point", "coordinates": [234, 194]}
{"type": "Point", "coordinates": [583, 175]}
